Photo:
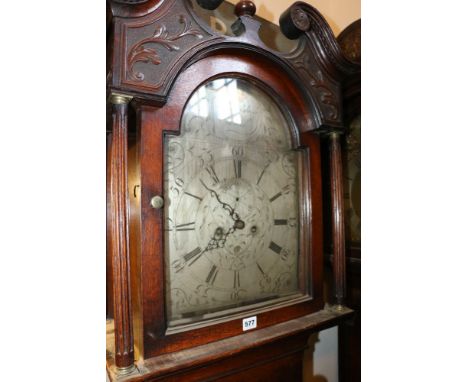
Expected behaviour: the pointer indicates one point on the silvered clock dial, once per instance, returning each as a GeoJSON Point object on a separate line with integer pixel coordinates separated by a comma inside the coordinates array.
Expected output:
{"type": "Point", "coordinates": [352, 175]}
{"type": "Point", "coordinates": [232, 204]}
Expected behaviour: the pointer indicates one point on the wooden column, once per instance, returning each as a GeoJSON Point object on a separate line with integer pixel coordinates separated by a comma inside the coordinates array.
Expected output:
{"type": "Point", "coordinates": [109, 287]}
{"type": "Point", "coordinates": [124, 356]}
{"type": "Point", "coordinates": [338, 224]}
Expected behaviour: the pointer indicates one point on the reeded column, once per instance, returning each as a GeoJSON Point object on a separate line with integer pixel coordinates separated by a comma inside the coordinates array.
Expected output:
{"type": "Point", "coordinates": [338, 223]}
{"type": "Point", "coordinates": [124, 356]}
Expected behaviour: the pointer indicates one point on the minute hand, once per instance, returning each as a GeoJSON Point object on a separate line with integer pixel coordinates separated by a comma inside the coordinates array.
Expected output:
{"type": "Point", "coordinates": [234, 215]}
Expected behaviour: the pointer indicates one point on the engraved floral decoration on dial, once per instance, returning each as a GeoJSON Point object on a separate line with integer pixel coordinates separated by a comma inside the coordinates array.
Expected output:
{"type": "Point", "coordinates": [231, 181]}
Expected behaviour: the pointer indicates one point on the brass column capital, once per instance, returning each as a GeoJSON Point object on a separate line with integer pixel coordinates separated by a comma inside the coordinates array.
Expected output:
{"type": "Point", "coordinates": [335, 134]}
{"type": "Point", "coordinates": [119, 99]}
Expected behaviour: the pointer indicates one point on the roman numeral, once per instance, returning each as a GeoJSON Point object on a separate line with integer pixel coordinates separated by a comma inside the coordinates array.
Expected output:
{"type": "Point", "coordinates": [185, 227]}
{"type": "Point", "coordinates": [275, 247]}
{"type": "Point", "coordinates": [212, 275]}
{"type": "Point", "coordinates": [281, 221]}
{"type": "Point", "coordinates": [236, 280]}
{"type": "Point", "coordinates": [192, 254]}
{"type": "Point", "coordinates": [212, 173]}
{"type": "Point", "coordinates": [193, 196]}
{"type": "Point", "coordinates": [260, 269]}
{"type": "Point", "coordinates": [274, 197]}
{"type": "Point", "coordinates": [238, 168]}
{"type": "Point", "coordinates": [261, 175]}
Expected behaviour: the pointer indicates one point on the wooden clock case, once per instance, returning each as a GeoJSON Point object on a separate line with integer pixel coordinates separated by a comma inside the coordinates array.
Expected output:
{"type": "Point", "coordinates": [350, 331]}
{"type": "Point", "coordinates": [159, 52]}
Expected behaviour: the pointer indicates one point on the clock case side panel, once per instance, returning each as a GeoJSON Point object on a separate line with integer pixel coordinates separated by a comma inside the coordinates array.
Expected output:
{"type": "Point", "coordinates": [154, 121]}
{"type": "Point", "coordinates": [350, 331]}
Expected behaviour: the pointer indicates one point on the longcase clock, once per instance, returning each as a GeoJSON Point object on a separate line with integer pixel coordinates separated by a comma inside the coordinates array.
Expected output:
{"type": "Point", "coordinates": [215, 210]}
{"type": "Point", "coordinates": [350, 333]}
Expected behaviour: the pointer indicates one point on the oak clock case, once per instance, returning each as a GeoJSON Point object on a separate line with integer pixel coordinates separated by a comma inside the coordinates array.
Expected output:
{"type": "Point", "coordinates": [349, 335]}
{"type": "Point", "coordinates": [216, 210]}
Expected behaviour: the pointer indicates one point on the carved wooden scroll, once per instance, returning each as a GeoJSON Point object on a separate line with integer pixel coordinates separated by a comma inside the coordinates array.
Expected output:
{"type": "Point", "coordinates": [302, 18]}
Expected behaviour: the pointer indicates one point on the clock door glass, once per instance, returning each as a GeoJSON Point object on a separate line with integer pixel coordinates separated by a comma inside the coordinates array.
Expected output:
{"type": "Point", "coordinates": [232, 212]}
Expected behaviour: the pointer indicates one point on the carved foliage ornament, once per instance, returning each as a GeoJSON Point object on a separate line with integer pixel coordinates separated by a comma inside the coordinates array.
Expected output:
{"type": "Point", "coordinates": [142, 50]}
{"type": "Point", "coordinates": [316, 79]}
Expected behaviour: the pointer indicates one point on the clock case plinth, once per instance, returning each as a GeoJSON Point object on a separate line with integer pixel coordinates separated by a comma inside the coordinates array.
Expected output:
{"type": "Point", "coordinates": [150, 45]}
{"type": "Point", "coordinates": [274, 353]}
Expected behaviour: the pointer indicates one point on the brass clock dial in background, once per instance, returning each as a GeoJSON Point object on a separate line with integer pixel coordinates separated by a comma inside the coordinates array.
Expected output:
{"type": "Point", "coordinates": [232, 192]}
{"type": "Point", "coordinates": [352, 176]}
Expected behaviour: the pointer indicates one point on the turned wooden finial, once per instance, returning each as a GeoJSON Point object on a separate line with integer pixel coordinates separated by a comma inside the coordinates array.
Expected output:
{"type": "Point", "coordinates": [245, 7]}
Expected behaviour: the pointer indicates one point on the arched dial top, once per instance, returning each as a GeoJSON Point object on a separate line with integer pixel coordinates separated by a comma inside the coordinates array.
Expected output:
{"type": "Point", "coordinates": [232, 204]}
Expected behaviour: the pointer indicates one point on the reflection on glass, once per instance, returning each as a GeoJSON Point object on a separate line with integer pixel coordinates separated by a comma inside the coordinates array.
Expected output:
{"type": "Point", "coordinates": [231, 186]}
{"type": "Point", "coordinates": [223, 94]}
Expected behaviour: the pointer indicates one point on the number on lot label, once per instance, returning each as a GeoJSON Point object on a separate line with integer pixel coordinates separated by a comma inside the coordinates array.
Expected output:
{"type": "Point", "coordinates": [249, 323]}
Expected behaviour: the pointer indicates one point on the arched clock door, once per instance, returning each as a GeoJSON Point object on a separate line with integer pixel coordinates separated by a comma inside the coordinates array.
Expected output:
{"type": "Point", "coordinates": [216, 192]}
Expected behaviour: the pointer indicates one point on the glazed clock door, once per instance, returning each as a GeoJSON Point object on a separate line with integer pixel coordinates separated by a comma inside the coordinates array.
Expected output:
{"type": "Point", "coordinates": [239, 235]}
{"type": "Point", "coordinates": [232, 195]}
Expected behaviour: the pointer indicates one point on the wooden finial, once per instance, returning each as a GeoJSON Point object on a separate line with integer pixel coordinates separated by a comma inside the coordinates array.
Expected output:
{"type": "Point", "coordinates": [245, 7]}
